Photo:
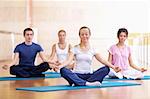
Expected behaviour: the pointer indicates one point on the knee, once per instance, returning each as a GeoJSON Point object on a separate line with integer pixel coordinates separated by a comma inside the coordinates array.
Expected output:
{"type": "Point", "coordinates": [13, 69]}
{"type": "Point", "coordinates": [107, 69]}
{"type": "Point", "coordinates": [63, 71]}
{"type": "Point", "coordinates": [45, 65]}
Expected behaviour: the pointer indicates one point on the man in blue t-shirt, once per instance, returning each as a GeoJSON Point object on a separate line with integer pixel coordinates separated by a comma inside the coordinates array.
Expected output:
{"type": "Point", "coordinates": [26, 53]}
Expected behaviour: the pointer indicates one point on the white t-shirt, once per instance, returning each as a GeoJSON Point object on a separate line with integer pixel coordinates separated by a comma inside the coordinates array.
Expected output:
{"type": "Point", "coordinates": [62, 54]}
{"type": "Point", "coordinates": [83, 60]}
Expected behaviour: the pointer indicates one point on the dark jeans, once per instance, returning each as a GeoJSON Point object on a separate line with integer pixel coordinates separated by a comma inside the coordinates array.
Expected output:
{"type": "Point", "coordinates": [81, 79]}
{"type": "Point", "coordinates": [29, 71]}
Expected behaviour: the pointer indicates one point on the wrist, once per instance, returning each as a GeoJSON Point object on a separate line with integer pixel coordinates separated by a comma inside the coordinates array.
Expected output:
{"type": "Point", "coordinates": [61, 66]}
{"type": "Point", "coordinates": [112, 66]}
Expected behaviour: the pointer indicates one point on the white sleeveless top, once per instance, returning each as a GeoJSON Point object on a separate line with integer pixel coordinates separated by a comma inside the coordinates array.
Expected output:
{"type": "Point", "coordinates": [62, 54]}
{"type": "Point", "coordinates": [83, 60]}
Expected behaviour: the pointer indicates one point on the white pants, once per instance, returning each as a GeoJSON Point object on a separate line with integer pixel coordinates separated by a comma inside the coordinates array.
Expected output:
{"type": "Point", "coordinates": [130, 74]}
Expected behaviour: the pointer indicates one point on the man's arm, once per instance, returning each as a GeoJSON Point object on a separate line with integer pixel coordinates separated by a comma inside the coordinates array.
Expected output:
{"type": "Point", "coordinates": [42, 56]}
{"type": "Point", "coordinates": [14, 61]}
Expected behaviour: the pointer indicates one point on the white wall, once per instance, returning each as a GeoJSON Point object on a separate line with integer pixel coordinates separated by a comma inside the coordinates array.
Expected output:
{"type": "Point", "coordinates": [104, 17]}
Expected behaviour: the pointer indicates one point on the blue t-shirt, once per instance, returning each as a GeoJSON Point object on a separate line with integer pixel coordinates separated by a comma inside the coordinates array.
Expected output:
{"type": "Point", "coordinates": [27, 53]}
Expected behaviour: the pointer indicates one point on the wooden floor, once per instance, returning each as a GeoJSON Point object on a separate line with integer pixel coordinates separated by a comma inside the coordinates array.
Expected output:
{"type": "Point", "coordinates": [8, 90]}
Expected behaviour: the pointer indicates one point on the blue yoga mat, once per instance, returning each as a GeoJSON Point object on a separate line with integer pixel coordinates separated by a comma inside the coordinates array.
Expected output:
{"type": "Point", "coordinates": [147, 77]}
{"type": "Point", "coordinates": [50, 73]}
{"type": "Point", "coordinates": [32, 78]}
{"type": "Point", "coordinates": [66, 87]}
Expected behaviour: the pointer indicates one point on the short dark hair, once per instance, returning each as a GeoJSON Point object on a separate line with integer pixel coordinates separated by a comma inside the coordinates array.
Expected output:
{"type": "Point", "coordinates": [84, 27]}
{"type": "Point", "coordinates": [27, 29]}
{"type": "Point", "coordinates": [122, 30]}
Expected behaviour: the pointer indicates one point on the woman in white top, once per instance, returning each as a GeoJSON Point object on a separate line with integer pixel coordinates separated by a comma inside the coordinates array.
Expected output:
{"type": "Point", "coordinates": [82, 73]}
{"type": "Point", "coordinates": [61, 50]}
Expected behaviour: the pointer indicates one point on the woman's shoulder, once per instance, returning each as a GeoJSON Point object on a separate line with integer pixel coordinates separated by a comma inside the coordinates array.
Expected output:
{"type": "Point", "coordinates": [128, 47]}
{"type": "Point", "coordinates": [69, 45]}
{"type": "Point", "coordinates": [76, 46]}
{"type": "Point", "coordinates": [55, 44]}
{"type": "Point", "coordinates": [113, 46]}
